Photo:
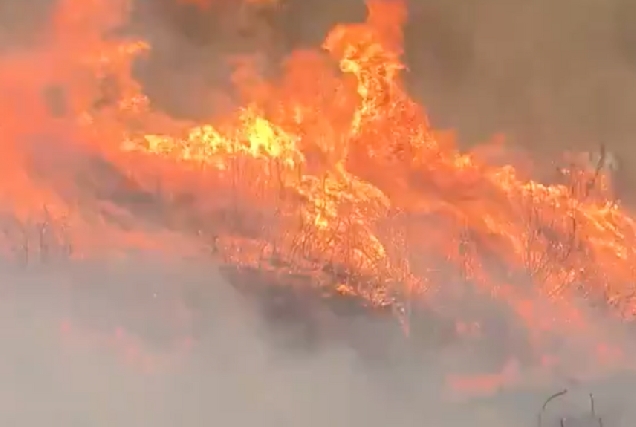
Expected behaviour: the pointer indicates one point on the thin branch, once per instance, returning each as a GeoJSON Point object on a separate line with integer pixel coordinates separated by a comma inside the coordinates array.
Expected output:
{"type": "Point", "coordinates": [546, 403]}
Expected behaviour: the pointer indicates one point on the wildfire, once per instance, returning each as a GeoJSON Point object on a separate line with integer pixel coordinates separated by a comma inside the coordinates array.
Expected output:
{"type": "Point", "coordinates": [335, 175]}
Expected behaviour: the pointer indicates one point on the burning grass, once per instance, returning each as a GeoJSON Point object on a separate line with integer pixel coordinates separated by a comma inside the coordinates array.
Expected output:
{"type": "Point", "coordinates": [327, 187]}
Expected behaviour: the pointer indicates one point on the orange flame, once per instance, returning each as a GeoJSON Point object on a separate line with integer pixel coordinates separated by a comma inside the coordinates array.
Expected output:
{"type": "Point", "coordinates": [338, 176]}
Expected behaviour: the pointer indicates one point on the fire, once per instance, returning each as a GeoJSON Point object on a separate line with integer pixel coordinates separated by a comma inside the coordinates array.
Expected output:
{"type": "Point", "coordinates": [333, 173]}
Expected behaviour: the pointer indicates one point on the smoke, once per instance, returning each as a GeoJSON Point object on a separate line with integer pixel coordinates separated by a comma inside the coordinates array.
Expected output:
{"type": "Point", "coordinates": [552, 74]}
{"type": "Point", "coordinates": [62, 363]}
{"type": "Point", "coordinates": [67, 376]}
{"type": "Point", "coordinates": [60, 369]}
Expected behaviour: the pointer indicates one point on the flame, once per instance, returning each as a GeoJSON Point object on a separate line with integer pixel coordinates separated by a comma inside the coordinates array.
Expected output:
{"type": "Point", "coordinates": [334, 173]}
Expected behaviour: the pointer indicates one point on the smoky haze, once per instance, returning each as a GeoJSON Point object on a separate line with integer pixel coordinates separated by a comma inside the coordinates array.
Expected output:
{"type": "Point", "coordinates": [241, 371]}
{"type": "Point", "coordinates": [553, 75]}
{"type": "Point", "coordinates": [60, 365]}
